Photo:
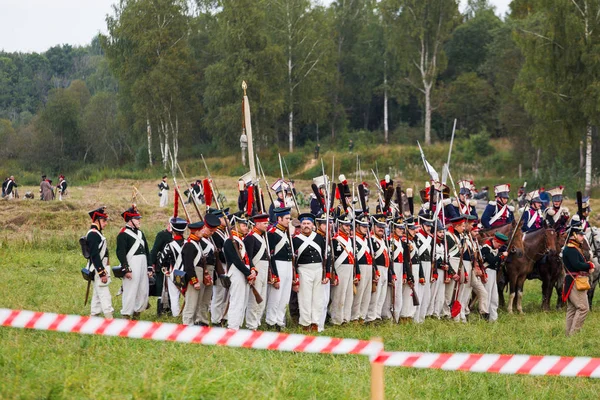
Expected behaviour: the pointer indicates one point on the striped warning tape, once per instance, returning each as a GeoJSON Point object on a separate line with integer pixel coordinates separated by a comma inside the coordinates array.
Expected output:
{"type": "Point", "coordinates": [187, 334]}
{"type": "Point", "coordinates": [494, 363]}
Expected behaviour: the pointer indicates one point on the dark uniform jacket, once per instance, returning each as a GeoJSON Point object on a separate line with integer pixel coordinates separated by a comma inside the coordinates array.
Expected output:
{"type": "Point", "coordinates": [162, 238]}
{"type": "Point", "coordinates": [125, 242]}
{"type": "Point", "coordinates": [575, 265]}
{"type": "Point", "coordinates": [95, 239]}
{"type": "Point", "coordinates": [279, 252]}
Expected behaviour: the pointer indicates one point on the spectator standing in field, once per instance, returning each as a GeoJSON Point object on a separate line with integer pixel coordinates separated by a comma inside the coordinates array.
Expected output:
{"type": "Point", "coordinates": [9, 191]}
{"type": "Point", "coordinates": [61, 187]}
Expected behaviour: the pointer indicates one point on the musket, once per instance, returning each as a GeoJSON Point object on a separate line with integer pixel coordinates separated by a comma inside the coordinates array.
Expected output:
{"type": "Point", "coordinates": [261, 201]}
{"type": "Point", "coordinates": [326, 206]}
{"type": "Point", "coordinates": [331, 198]}
{"type": "Point", "coordinates": [514, 232]}
{"type": "Point", "coordinates": [193, 197]}
{"type": "Point", "coordinates": [363, 203]}
{"type": "Point", "coordinates": [354, 289]}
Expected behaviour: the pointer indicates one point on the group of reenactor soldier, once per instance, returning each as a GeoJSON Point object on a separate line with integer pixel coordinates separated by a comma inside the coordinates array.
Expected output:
{"type": "Point", "coordinates": [343, 265]}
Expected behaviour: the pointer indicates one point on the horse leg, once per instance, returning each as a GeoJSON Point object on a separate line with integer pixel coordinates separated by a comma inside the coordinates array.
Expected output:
{"type": "Point", "coordinates": [512, 287]}
{"type": "Point", "coordinates": [559, 301]}
{"type": "Point", "coordinates": [519, 290]}
{"type": "Point", "coordinates": [501, 301]}
{"type": "Point", "coordinates": [546, 292]}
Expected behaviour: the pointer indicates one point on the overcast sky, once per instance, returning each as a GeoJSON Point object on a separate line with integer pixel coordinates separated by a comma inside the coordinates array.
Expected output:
{"type": "Point", "coordinates": [36, 25]}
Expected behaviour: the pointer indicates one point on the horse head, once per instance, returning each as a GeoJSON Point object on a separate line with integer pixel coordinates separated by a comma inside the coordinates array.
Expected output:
{"type": "Point", "coordinates": [551, 238]}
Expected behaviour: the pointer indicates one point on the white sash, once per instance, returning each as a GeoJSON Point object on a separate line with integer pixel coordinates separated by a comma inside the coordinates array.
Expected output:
{"type": "Point", "coordinates": [241, 246]}
{"type": "Point", "coordinates": [176, 250]}
{"type": "Point", "coordinates": [533, 218]}
{"type": "Point", "coordinates": [347, 250]}
{"type": "Point", "coordinates": [308, 241]}
{"type": "Point", "coordinates": [199, 252]}
{"type": "Point", "coordinates": [426, 243]}
{"type": "Point", "coordinates": [281, 243]}
{"type": "Point", "coordinates": [363, 248]}
{"type": "Point", "coordinates": [138, 242]}
{"type": "Point", "coordinates": [261, 251]}
{"type": "Point", "coordinates": [455, 250]}
{"type": "Point", "coordinates": [381, 248]}
{"type": "Point", "coordinates": [499, 214]}
{"type": "Point", "coordinates": [398, 249]}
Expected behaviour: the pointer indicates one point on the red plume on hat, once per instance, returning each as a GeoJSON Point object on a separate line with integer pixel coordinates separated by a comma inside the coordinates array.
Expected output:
{"type": "Point", "coordinates": [208, 193]}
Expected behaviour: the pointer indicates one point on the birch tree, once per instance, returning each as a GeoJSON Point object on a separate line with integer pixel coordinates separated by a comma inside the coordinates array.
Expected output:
{"type": "Point", "coordinates": [560, 80]}
{"type": "Point", "coordinates": [419, 29]}
{"type": "Point", "coordinates": [301, 30]}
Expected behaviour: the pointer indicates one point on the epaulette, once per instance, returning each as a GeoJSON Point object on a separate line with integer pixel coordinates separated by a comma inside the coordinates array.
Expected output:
{"type": "Point", "coordinates": [455, 203]}
{"type": "Point", "coordinates": [122, 230]}
{"type": "Point", "coordinates": [445, 202]}
{"type": "Point", "coordinates": [511, 208]}
{"type": "Point", "coordinates": [491, 203]}
{"type": "Point", "coordinates": [272, 229]}
{"type": "Point", "coordinates": [473, 203]}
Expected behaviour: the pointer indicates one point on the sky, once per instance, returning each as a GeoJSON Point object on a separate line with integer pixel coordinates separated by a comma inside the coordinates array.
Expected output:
{"type": "Point", "coordinates": [36, 25]}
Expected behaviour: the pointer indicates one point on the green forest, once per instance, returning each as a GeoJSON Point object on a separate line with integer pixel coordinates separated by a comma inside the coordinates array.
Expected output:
{"type": "Point", "coordinates": [165, 81]}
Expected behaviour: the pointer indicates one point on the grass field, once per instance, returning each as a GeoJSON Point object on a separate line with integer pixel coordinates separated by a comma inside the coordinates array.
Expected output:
{"type": "Point", "coordinates": [39, 270]}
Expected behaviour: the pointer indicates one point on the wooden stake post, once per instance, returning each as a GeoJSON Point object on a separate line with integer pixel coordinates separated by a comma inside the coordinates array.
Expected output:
{"type": "Point", "coordinates": [377, 392]}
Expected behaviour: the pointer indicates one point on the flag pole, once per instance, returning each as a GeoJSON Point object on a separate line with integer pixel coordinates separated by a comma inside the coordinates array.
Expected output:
{"type": "Point", "coordinates": [247, 127]}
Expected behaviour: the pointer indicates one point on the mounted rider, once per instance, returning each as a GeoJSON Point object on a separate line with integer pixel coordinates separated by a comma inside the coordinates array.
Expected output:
{"type": "Point", "coordinates": [498, 213]}
{"type": "Point", "coordinates": [464, 205]}
{"type": "Point", "coordinates": [533, 219]}
{"type": "Point", "coordinates": [557, 216]}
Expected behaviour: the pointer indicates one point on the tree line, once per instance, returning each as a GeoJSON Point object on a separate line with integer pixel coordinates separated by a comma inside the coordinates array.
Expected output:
{"type": "Point", "coordinates": [166, 80]}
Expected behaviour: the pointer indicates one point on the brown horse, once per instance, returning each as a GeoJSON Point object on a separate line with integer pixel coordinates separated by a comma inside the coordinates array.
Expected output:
{"type": "Point", "coordinates": [536, 245]}
{"type": "Point", "coordinates": [551, 274]}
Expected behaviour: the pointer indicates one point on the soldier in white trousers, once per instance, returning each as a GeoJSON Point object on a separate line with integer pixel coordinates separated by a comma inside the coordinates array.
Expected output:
{"type": "Point", "coordinates": [322, 230]}
{"type": "Point", "coordinates": [393, 299]}
{"type": "Point", "coordinates": [413, 271]}
{"type": "Point", "coordinates": [278, 294]}
{"type": "Point", "coordinates": [163, 192]}
{"type": "Point", "coordinates": [438, 281]}
{"type": "Point", "coordinates": [98, 264]}
{"type": "Point", "coordinates": [424, 242]}
{"type": "Point", "coordinates": [240, 273]}
{"type": "Point", "coordinates": [381, 256]}
{"type": "Point", "coordinates": [220, 288]}
{"type": "Point", "coordinates": [133, 254]}
{"type": "Point", "coordinates": [310, 247]}
{"type": "Point", "coordinates": [258, 254]}
{"type": "Point", "coordinates": [494, 252]}
{"type": "Point", "coordinates": [364, 259]}
{"type": "Point", "coordinates": [340, 308]}
{"type": "Point", "coordinates": [170, 260]}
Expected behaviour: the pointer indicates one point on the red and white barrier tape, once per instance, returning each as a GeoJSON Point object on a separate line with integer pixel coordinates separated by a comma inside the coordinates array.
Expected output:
{"type": "Point", "coordinates": [494, 363]}
{"type": "Point", "coordinates": [187, 334]}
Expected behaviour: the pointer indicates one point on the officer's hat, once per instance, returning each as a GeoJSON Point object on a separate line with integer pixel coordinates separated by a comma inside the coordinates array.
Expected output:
{"type": "Point", "coordinates": [458, 220]}
{"type": "Point", "coordinates": [307, 217]}
{"type": "Point", "coordinates": [178, 224]}
{"type": "Point", "coordinates": [398, 222]}
{"type": "Point", "coordinates": [362, 220]}
{"type": "Point", "coordinates": [426, 218]}
{"type": "Point", "coordinates": [465, 187]}
{"type": "Point", "coordinates": [534, 196]}
{"type": "Point", "coordinates": [502, 190]}
{"type": "Point", "coordinates": [379, 220]}
{"type": "Point", "coordinates": [585, 203]}
{"type": "Point", "coordinates": [409, 222]}
{"type": "Point", "coordinates": [281, 211]}
{"type": "Point", "coordinates": [238, 217]}
{"type": "Point", "coordinates": [260, 218]}
{"type": "Point", "coordinates": [322, 218]}
{"type": "Point", "coordinates": [576, 227]}
{"type": "Point", "coordinates": [321, 181]}
{"type": "Point", "coordinates": [344, 219]}
{"type": "Point", "coordinates": [196, 225]}
{"type": "Point", "coordinates": [279, 185]}
{"type": "Point", "coordinates": [440, 225]}
{"type": "Point", "coordinates": [131, 213]}
{"type": "Point", "coordinates": [212, 221]}
{"type": "Point", "coordinates": [556, 193]}
{"type": "Point", "coordinates": [98, 213]}
{"type": "Point", "coordinates": [218, 212]}
{"type": "Point", "coordinates": [501, 237]}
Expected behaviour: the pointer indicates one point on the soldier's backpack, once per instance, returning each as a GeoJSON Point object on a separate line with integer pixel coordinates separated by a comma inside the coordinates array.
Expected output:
{"type": "Point", "coordinates": [85, 247]}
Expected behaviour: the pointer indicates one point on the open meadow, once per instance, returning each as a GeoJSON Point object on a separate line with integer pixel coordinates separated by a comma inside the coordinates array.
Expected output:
{"type": "Point", "coordinates": [39, 270]}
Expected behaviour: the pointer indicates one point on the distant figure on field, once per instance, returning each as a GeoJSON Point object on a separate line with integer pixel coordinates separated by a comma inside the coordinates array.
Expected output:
{"type": "Point", "coordinates": [317, 150]}
{"type": "Point", "coordinates": [46, 191]}
{"type": "Point", "coordinates": [9, 191]}
{"type": "Point", "coordinates": [163, 191]}
{"type": "Point", "coordinates": [350, 145]}
{"type": "Point", "coordinates": [61, 187]}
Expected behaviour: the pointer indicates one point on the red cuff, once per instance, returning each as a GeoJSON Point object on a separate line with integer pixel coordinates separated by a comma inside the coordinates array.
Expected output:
{"type": "Point", "coordinates": [328, 275]}
{"type": "Point", "coordinates": [393, 276]}
{"type": "Point", "coordinates": [403, 276]}
{"type": "Point", "coordinates": [358, 276]}
{"type": "Point", "coordinates": [194, 280]}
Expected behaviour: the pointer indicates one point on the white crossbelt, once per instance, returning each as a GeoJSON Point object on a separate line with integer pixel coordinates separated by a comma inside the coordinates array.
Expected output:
{"type": "Point", "coordinates": [261, 251]}
{"type": "Point", "coordinates": [381, 248]}
{"type": "Point", "coordinates": [426, 243]}
{"type": "Point", "coordinates": [533, 218]}
{"type": "Point", "coordinates": [308, 241]}
{"type": "Point", "coordinates": [499, 214]}
{"type": "Point", "coordinates": [347, 250]}
{"type": "Point", "coordinates": [102, 249]}
{"type": "Point", "coordinates": [138, 242]}
{"type": "Point", "coordinates": [281, 243]}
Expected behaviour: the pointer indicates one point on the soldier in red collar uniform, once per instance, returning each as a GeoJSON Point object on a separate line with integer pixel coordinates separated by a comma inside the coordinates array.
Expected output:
{"type": "Point", "coordinates": [258, 255]}
{"type": "Point", "coordinates": [364, 260]}
{"type": "Point", "coordinates": [381, 256]}
{"type": "Point", "coordinates": [533, 219]}
{"type": "Point", "coordinates": [343, 256]}
{"type": "Point", "coordinates": [557, 216]}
